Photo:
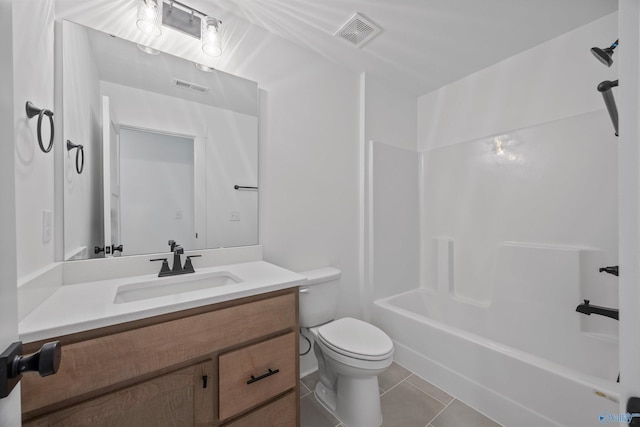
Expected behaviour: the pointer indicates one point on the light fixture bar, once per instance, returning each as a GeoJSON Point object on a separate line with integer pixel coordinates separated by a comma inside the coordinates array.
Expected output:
{"type": "Point", "coordinates": [171, 2]}
{"type": "Point", "coordinates": [181, 20]}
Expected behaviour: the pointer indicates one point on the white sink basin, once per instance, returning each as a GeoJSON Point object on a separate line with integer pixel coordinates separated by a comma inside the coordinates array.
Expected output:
{"type": "Point", "coordinates": [164, 286]}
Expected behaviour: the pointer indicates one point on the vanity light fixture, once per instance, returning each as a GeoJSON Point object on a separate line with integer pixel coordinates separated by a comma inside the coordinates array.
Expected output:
{"type": "Point", "coordinates": [152, 14]}
{"type": "Point", "coordinates": [210, 40]}
{"type": "Point", "coordinates": [150, 17]}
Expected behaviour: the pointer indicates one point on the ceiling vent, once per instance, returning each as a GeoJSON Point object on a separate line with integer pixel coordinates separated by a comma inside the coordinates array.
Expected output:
{"type": "Point", "coordinates": [190, 86]}
{"type": "Point", "coordinates": [358, 30]}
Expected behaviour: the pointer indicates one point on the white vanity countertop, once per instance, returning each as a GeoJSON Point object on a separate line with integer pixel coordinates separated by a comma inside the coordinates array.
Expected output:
{"type": "Point", "coordinates": [84, 306]}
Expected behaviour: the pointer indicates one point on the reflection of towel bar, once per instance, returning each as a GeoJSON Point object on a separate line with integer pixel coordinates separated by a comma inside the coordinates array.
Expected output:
{"type": "Point", "coordinates": [240, 187]}
{"type": "Point", "coordinates": [79, 155]}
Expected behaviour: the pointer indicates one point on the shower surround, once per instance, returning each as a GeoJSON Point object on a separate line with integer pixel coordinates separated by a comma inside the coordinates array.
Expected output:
{"type": "Point", "coordinates": [514, 228]}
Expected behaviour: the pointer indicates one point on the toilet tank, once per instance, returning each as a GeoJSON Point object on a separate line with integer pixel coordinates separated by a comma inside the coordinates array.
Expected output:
{"type": "Point", "coordinates": [319, 296]}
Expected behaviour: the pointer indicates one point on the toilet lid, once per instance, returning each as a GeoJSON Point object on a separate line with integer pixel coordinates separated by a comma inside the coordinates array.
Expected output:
{"type": "Point", "coordinates": [355, 338]}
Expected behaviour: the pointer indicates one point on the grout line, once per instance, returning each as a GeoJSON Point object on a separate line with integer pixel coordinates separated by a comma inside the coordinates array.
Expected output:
{"type": "Point", "coordinates": [429, 394]}
{"type": "Point", "coordinates": [398, 383]}
{"type": "Point", "coordinates": [438, 414]}
{"type": "Point", "coordinates": [387, 391]}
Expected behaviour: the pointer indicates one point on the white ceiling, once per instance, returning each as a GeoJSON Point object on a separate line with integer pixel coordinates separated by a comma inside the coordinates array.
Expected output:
{"type": "Point", "coordinates": [425, 44]}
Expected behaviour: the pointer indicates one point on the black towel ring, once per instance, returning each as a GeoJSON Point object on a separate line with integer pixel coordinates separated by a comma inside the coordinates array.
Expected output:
{"type": "Point", "coordinates": [32, 111]}
{"type": "Point", "coordinates": [79, 164]}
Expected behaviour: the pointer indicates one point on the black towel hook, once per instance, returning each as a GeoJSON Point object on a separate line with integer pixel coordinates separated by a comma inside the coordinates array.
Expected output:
{"type": "Point", "coordinates": [79, 164]}
{"type": "Point", "coordinates": [32, 111]}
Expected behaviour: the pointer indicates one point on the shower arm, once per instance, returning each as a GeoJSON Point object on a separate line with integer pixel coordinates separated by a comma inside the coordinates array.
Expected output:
{"type": "Point", "coordinates": [605, 88]}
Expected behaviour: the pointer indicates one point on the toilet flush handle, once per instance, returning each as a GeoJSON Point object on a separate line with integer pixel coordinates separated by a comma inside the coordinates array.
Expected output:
{"type": "Point", "coordinates": [304, 290]}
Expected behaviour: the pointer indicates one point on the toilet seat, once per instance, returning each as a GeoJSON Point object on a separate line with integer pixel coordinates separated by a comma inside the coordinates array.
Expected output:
{"type": "Point", "coordinates": [356, 339]}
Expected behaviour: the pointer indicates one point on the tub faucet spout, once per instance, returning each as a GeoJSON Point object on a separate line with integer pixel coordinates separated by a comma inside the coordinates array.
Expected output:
{"type": "Point", "coordinates": [589, 309]}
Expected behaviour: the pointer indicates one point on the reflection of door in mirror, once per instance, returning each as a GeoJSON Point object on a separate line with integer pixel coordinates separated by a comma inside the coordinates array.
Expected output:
{"type": "Point", "coordinates": [111, 178]}
{"type": "Point", "coordinates": [156, 191]}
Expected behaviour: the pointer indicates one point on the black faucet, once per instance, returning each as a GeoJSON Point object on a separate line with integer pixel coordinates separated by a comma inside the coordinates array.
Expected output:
{"type": "Point", "coordinates": [177, 262]}
{"type": "Point", "coordinates": [589, 309]}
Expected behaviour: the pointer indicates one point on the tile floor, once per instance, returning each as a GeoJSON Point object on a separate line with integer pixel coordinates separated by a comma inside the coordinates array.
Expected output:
{"type": "Point", "coordinates": [407, 401]}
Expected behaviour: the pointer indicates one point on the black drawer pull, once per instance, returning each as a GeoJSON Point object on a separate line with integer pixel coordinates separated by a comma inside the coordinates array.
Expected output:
{"type": "Point", "coordinates": [263, 376]}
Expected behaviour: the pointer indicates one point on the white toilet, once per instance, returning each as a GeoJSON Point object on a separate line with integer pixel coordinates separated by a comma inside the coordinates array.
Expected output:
{"type": "Point", "coordinates": [351, 353]}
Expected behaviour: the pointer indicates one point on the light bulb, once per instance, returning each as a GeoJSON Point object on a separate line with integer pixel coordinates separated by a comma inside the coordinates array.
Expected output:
{"type": "Point", "coordinates": [210, 39]}
{"type": "Point", "coordinates": [150, 17]}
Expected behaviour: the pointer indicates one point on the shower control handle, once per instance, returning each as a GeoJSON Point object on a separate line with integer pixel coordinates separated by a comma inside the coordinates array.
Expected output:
{"type": "Point", "coordinates": [611, 270]}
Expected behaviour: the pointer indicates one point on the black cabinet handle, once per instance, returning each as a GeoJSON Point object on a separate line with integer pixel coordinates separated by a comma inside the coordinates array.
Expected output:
{"type": "Point", "coordinates": [263, 376]}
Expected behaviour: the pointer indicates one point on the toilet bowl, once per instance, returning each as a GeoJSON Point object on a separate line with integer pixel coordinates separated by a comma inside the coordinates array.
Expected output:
{"type": "Point", "coordinates": [350, 353]}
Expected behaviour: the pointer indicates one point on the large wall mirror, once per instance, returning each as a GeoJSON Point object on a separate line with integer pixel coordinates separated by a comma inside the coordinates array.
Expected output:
{"type": "Point", "coordinates": [169, 150]}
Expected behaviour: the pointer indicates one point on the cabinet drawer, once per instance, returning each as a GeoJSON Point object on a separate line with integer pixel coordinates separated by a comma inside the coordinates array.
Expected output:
{"type": "Point", "coordinates": [244, 374]}
{"type": "Point", "coordinates": [281, 413]}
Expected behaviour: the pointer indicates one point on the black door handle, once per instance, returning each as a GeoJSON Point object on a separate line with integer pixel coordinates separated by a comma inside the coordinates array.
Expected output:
{"type": "Point", "coordinates": [13, 364]}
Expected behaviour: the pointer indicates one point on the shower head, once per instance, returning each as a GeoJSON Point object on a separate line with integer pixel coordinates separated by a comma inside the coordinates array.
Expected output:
{"type": "Point", "coordinates": [605, 55]}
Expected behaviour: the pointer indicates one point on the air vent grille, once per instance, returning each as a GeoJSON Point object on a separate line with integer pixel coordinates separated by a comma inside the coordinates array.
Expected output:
{"type": "Point", "coordinates": [190, 86]}
{"type": "Point", "coordinates": [358, 30]}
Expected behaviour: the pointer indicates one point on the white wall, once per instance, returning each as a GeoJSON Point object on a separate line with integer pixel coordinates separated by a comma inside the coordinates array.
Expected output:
{"type": "Point", "coordinates": [81, 124]}
{"type": "Point", "coordinates": [10, 406]}
{"type": "Point", "coordinates": [553, 80]}
{"type": "Point", "coordinates": [395, 219]}
{"type": "Point", "coordinates": [389, 165]}
{"type": "Point", "coordinates": [629, 211]}
{"type": "Point", "coordinates": [156, 182]}
{"type": "Point", "coordinates": [523, 151]}
{"type": "Point", "coordinates": [390, 114]}
{"type": "Point", "coordinates": [33, 81]}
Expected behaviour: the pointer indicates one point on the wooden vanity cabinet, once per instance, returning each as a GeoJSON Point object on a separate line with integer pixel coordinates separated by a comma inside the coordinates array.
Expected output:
{"type": "Point", "coordinates": [228, 364]}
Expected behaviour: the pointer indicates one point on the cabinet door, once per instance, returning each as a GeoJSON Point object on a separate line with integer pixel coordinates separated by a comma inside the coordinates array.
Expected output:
{"type": "Point", "coordinates": [182, 398]}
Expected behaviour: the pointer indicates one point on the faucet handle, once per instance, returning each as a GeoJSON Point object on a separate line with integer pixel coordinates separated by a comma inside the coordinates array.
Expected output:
{"type": "Point", "coordinates": [165, 265]}
{"type": "Point", "coordinates": [188, 266]}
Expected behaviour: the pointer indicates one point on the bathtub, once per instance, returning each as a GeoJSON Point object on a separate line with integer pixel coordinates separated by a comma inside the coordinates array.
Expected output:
{"type": "Point", "coordinates": [500, 365]}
